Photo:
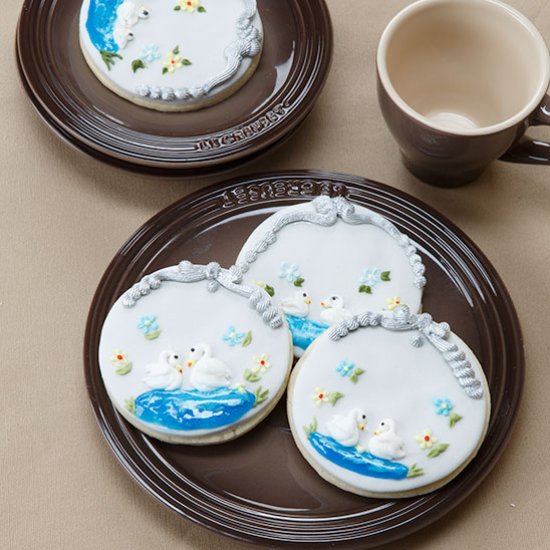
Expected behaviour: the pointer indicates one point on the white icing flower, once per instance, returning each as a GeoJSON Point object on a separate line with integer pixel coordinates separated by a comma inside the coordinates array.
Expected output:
{"type": "Point", "coordinates": [119, 358]}
{"type": "Point", "coordinates": [261, 363]}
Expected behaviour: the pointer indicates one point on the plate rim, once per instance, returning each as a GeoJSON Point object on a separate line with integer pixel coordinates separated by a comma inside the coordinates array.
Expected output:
{"type": "Point", "coordinates": [216, 189]}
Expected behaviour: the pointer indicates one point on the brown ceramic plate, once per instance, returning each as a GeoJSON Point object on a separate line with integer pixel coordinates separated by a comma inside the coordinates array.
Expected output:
{"type": "Point", "coordinates": [281, 93]}
{"type": "Point", "coordinates": [259, 488]}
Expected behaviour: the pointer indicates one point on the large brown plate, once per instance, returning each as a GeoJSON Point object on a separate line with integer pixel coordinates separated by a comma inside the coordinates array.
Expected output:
{"type": "Point", "coordinates": [259, 488]}
{"type": "Point", "coordinates": [278, 97]}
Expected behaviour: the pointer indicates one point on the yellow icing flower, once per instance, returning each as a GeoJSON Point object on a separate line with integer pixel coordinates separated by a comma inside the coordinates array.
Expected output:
{"type": "Point", "coordinates": [393, 303]}
{"type": "Point", "coordinates": [261, 363]}
{"type": "Point", "coordinates": [119, 358]}
{"type": "Point", "coordinates": [426, 439]}
{"type": "Point", "coordinates": [173, 62]}
{"type": "Point", "coordinates": [189, 5]}
{"type": "Point", "coordinates": [320, 396]}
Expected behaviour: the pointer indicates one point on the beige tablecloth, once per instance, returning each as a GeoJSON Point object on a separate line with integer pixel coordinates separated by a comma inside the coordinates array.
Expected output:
{"type": "Point", "coordinates": [65, 215]}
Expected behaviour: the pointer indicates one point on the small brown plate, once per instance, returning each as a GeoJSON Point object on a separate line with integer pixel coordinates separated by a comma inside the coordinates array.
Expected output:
{"type": "Point", "coordinates": [259, 488]}
{"type": "Point", "coordinates": [69, 98]}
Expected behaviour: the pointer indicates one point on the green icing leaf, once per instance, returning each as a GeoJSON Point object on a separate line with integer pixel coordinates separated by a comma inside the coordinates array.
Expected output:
{"type": "Point", "coordinates": [109, 58]}
{"type": "Point", "coordinates": [270, 290]}
{"type": "Point", "coordinates": [250, 376]}
{"type": "Point", "coordinates": [311, 428]}
{"type": "Point", "coordinates": [260, 395]}
{"type": "Point", "coordinates": [186, 62]}
{"type": "Point", "coordinates": [137, 64]}
{"type": "Point", "coordinates": [356, 374]}
{"type": "Point", "coordinates": [201, 9]}
{"type": "Point", "coordinates": [385, 276]}
{"type": "Point", "coordinates": [415, 471]}
{"type": "Point", "coordinates": [366, 289]}
{"type": "Point", "coordinates": [164, 70]}
{"type": "Point", "coordinates": [177, 8]}
{"type": "Point", "coordinates": [247, 339]}
{"type": "Point", "coordinates": [334, 396]}
{"type": "Point", "coordinates": [299, 282]}
{"type": "Point", "coordinates": [130, 405]}
{"type": "Point", "coordinates": [437, 450]}
{"type": "Point", "coordinates": [124, 369]}
{"type": "Point", "coordinates": [453, 419]}
{"type": "Point", "coordinates": [176, 50]}
{"type": "Point", "coordinates": [153, 335]}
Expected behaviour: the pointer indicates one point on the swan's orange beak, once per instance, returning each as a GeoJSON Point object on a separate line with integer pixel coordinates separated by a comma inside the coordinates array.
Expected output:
{"type": "Point", "coordinates": [324, 304]}
{"type": "Point", "coordinates": [180, 370]}
{"type": "Point", "coordinates": [190, 363]}
{"type": "Point", "coordinates": [307, 301]}
{"type": "Point", "coordinates": [362, 427]}
{"type": "Point", "coordinates": [376, 432]}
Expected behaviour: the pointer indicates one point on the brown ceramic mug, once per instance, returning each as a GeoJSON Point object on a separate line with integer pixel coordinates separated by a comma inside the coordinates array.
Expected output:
{"type": "Point", "coordinates": [459, 82]}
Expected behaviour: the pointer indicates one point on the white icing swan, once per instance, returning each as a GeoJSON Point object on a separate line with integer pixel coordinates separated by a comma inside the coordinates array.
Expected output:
{"type": "Point", "coordinates": [385, 443]}
{"type": "Point", "coordinates": [166, 374]}
{"type": "Point", "coordinates": [334, 310]}
{"type": "Point", "coordinates": [128, 14]}
{"type": "Point", "coordinates": [347, 429]}
{"type": "Point", "coordinates": [207, 373]}
{"type": "Point", "coordinates": [297, 306]}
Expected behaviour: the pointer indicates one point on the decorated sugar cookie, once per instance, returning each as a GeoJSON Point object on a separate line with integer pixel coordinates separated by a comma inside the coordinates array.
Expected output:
{"type": "Point", "coordinates": [327, 260]}
{"type": "Point", "coordinates": [189, 355]}
{"type": "Point", "coordinates": [388, 405]}
{"type": "Point", "coordinates": [171, 55]}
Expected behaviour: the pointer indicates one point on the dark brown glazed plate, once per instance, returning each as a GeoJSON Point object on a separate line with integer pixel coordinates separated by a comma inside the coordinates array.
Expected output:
{"type": "Point", "coordinates": [281, 93]}
{"type": "Point", "coordinates": [259, 488]}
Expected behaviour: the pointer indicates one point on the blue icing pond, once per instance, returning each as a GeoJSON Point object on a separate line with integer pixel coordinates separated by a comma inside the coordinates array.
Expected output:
{"type": "Point", "coordinates": [304, 330]}
{"type": "Point", "coordinates": [365, 464]}
{"type": "Point", "coordinates": [101, 22]}
{"type": "Point", "coordinates": [193, 409]}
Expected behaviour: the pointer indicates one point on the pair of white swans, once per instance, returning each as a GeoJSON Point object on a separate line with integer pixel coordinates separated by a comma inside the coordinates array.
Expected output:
{"type": "Point", "coordinates": [334, 310]}
{"type": "Point", "coordinates": [207, 373]}
{"type": "Point", "coordinates": [384, 443]}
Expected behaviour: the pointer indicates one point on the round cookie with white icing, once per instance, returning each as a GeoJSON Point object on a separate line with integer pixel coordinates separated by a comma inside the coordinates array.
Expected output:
{"type": "Point", "coordinates": [189, 355]}
{"type": "Point", "coordinates": [326, 260]}
{"type": "Point", "coordinates": [390, 405]}
{"type": "Point", "coordinates": [171, 55]}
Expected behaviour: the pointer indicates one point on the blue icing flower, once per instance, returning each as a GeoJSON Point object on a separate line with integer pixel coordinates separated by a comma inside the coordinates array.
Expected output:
{"type": "Point", "coordinates": [232, 337]}
{"type": "Point", "coordinates": [344, 368]}
{"type": "Point", "coordinates": [150, 53]}
{"type": "Point", "coordinates": [148, 324]}
{"type": "Point", "coordinates": [371, 277]}
{"type": "Point", "coordinates": [290, 272]}
{"type": "Point", "coordinates": [443, 406]}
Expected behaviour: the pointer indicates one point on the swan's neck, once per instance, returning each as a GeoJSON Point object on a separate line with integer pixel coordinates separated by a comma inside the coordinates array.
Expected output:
{"type": "Point", "coordinates": [207, 351]}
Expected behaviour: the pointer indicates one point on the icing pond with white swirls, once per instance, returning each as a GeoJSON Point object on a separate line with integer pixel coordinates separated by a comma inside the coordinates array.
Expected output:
{"type": "Point", "coordinates": [172, 55]}
{"type": "Point", "coordinates": [328, 259]}
{"type": "Point", "coordinates": [388, 404]}
{"type": "Point", "coordinates": [190, 355]}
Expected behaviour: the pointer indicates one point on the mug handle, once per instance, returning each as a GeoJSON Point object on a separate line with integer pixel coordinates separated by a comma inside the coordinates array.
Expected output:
{"type": "Point", "coordinates": [532, 151]}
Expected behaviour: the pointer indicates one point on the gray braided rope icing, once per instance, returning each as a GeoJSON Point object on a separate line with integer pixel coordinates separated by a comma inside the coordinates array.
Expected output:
{"type": "Point", "coordinates": [327, 210]}
{"type": "Point", "coordinates": [216, 277]}
{"type": "Point", "coordinates": [436, 333]}
{"type": "Point", "coordinates": [248, 44]}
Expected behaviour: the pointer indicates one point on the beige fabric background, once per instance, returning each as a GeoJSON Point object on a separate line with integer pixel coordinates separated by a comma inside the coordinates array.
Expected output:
{"type": "Point", "coordinates": [64, 216]}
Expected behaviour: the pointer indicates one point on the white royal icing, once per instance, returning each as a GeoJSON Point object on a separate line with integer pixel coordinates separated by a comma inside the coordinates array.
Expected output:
{"type": "Point", "coordinates": [329, 259]}
{"type": "Point", "coordinates": [191, 355]}
{"type": "Point", "coordinates": [407, 423]}
{"type": "Point", "coordinates": [175, 52]}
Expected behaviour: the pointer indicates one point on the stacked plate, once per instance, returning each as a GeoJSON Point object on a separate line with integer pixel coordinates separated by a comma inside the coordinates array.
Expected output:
{"type": "Point", "coordinates": [69, 98]}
